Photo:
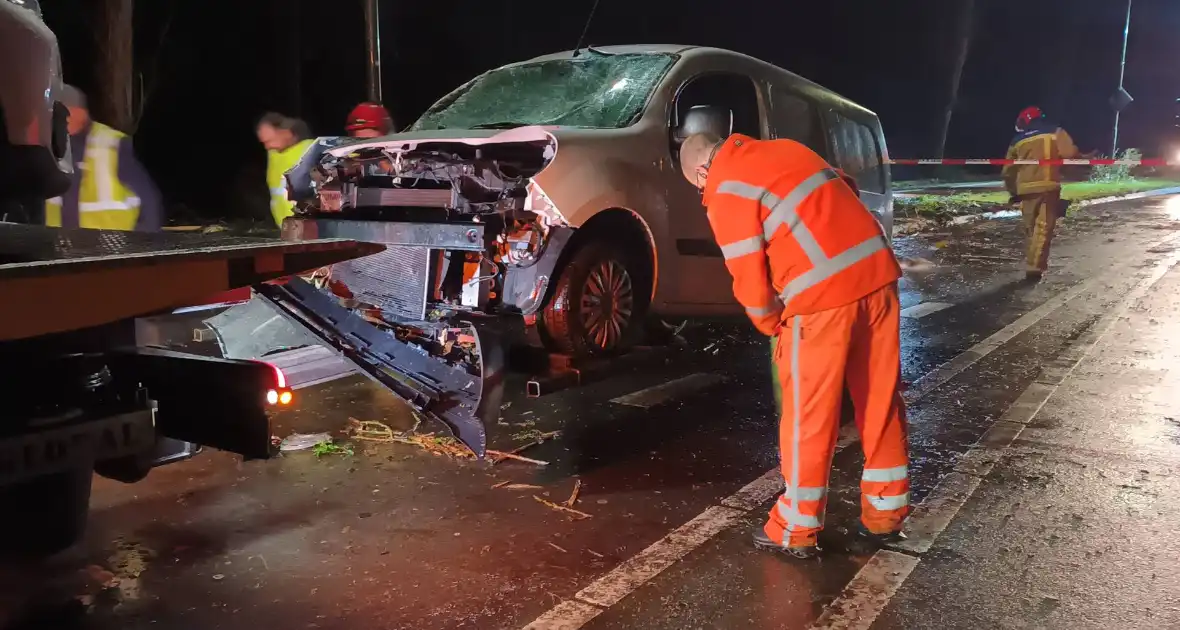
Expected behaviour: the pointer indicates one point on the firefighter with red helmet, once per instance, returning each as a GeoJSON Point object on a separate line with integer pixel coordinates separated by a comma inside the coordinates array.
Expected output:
{"type": "Point", "coordinates": [1037, 187]}
{"type": "Point", "coordinates": [369, 120]}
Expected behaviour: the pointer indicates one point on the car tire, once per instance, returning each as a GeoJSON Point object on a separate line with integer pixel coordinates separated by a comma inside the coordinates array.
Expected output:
{"type": "Point", "coordinates": [49, 513]}
{"type": "Point", "coordinates": [597, 307]}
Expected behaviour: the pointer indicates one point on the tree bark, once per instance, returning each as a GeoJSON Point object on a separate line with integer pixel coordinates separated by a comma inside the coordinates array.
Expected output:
{"type": "Point", "coordinates": [963, 31]}
{"type": "Point", "coordinates": [111, 102]}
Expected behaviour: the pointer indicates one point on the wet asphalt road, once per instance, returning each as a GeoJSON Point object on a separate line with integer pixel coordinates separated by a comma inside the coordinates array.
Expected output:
{"type": "Point", "coordinates": [394, 537]}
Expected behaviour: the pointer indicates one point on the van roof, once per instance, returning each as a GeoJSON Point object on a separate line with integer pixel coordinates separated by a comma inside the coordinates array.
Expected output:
{"type": "Point", "coordinates": [815, 89]}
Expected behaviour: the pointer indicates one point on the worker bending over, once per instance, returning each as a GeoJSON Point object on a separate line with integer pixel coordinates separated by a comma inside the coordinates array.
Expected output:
{"type": "Point", "coordinates": [286, 140]}
{"type": "Point", "coordinates": [111, 188]}
{"type": "Point", "coordinates": [1038, 187]}
{"type": "Point", "coordinates": [813, 269]}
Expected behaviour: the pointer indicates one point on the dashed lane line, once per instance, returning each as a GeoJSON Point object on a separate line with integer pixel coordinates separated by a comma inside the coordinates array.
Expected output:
{"type": "Point", "coordinates": [664, 392]}
{"type": "Point", "coordinates": [861, 602]}
{"type": "Point", "coordinates": [870, 589]}
{"type": "Point", "coordinates": [628, 576]}
{"type": "Point", "coordinates": [920, 310]}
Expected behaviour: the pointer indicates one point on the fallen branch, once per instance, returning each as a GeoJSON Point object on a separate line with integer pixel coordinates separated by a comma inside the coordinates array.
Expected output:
{"type": "Point", "coordinates": [574, 495]}
{"type": "Point", "coordinates": [561, 508]}
{"type": "Point", "coordinates": [541, 438]}
{"type": "Point", "coordinates": [370, 430]}
{"type": "Point", "coordinates": [501, 484]}
{"type": "Point", "coordinates": [595, 553]}
{"type": "Point", "coordinates": [498, 456]}
{"type": "Point", "coordinates": [558, 548]}
{"type": "Point", "coordinates": [521, 486]}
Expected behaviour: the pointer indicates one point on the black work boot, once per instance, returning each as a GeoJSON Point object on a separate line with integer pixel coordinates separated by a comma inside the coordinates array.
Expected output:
{"type": "Point", "coordinates": [1033, 276]}
{"type": "Point", "coordinates": [762, 541]}
{"type": "Point", "coordinates": [879, 540]}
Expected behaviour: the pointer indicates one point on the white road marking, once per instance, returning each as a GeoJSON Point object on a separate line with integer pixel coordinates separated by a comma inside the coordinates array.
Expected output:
{"type": "Point", "coordinates": [923, 309]}
{"type": "Point", "coordinates": [669, 390]}
{"type": "Point", "coordinates": [867, 594]}
{"type": "Point", "coordinates": [878, 584]}
{"type": "Point", "coordinates": [859, 607]}
{"type": "Point", "coordinates": [568, 615]}
{"type": "Point", "coordinates": [945, 372]}
{"type": "Point", "coordinates": [611, 588]}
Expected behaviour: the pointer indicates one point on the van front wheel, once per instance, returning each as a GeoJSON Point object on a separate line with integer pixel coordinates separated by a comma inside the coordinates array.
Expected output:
{"type": "Point", "coordinates": [595, 308]}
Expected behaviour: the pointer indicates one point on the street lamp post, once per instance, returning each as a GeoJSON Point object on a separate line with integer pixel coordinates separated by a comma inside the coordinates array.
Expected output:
{"type": "Point", "coordinates": [373, 50]}
{"type": "Point", "coordinates": [1114, 144]}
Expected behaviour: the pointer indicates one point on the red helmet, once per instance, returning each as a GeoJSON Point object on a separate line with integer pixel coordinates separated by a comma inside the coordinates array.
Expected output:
{"type": "Point", "coordinates": [1027, 116]}
{"type": "Point", "coordinates": [369, 116]}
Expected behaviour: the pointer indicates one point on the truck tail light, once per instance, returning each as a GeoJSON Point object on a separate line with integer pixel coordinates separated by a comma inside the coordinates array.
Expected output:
{"type": "Point", "coordinates": [279, 394]}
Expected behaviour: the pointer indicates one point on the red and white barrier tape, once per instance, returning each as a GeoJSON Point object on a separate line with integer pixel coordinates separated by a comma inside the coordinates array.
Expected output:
{"type": "Point", "coordinates": [1073, 162]}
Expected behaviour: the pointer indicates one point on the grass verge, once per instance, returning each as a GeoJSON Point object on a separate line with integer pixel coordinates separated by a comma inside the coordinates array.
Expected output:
{"type": "Point", "coordinates": [946, 207]}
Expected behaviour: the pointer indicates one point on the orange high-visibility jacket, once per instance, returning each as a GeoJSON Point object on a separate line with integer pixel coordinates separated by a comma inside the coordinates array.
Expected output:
{"type": "Point", "coordinates": [797, 240]}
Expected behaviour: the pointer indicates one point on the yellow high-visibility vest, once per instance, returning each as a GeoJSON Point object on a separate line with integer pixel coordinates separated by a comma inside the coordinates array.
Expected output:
{"type": "Point", "coordinates": [104, 203]}
{"type": "Point", "coordinates": [277, 164]}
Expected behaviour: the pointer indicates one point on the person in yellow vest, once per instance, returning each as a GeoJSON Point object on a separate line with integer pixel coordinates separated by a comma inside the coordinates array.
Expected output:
{"type": "Point", "coordinates": [286, 140]}
{"type": "Point", "coordinates": [111, 189]}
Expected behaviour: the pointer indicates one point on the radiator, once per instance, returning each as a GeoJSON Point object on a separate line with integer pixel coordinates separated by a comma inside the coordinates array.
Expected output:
{"type": "Point", "coordinates": [394, 280]}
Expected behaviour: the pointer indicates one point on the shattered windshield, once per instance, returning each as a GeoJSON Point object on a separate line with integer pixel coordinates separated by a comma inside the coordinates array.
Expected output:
{"type": "Point", "coordinates": [595, 91]}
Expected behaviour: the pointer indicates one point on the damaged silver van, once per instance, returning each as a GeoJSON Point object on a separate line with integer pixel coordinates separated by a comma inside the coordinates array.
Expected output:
{"type": "Point", "coordinates": [546, 194]}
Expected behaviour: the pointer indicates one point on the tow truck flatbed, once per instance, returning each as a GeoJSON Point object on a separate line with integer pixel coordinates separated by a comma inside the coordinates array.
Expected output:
{"type": "Point", "coordinates": [55, 279]}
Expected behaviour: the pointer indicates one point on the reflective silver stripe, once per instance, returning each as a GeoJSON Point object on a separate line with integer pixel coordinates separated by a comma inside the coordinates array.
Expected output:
{"type": "Point", "coordinates": [281, 190]}
{"type": "Point", "coordinates": [795, 520]}
{"type": "Point", "coordinates": [782, 211]}
{"type": "Point", "coordinates": [763, 311]}
{"type": "Point", "coordinates": [792, 516]}
{"type": "Point", "coordinates": [889, 503]}
{"type": "Point", "coordinates": [102, 206]}
{"type": "Point", "coordinates": [744, 247]}
{"type": "Point", "coordinates": [827, 268]}
{"type": "Point", "coordinates": [897, 473]}
{"type": "Point", "coordinates": [806, 493]}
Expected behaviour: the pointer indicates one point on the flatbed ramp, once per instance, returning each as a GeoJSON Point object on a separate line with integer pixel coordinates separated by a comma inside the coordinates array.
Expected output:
{"type": "Point", "coordinates": [55, 279]}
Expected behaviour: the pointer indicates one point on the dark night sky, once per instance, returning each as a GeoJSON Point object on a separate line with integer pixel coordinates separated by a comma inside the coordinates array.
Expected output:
{"type": "Point", "coordinates": [222, 64]}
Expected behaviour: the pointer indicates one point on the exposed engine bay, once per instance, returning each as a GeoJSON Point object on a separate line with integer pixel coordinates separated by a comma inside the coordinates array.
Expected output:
{"type": "Point", "coordinates": [469, 235]}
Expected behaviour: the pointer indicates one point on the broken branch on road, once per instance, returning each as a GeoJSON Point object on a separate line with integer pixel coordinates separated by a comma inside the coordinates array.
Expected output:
{"type": "Point", "coordinates": [561, 508]}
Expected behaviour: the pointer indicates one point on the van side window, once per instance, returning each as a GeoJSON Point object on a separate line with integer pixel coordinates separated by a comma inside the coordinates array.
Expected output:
{"type": "Point", "coordinates": [857, 152]}
{"type": "Point", "coordinates": [735, 91]}
{"type": "Point", "coordinates": [795, 118]}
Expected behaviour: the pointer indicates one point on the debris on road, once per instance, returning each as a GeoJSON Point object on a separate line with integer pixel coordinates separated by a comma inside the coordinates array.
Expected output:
{"type": "Point", "coordinates": [331, 448]}
{"type": "Point", "coordinates": [374, 431]}
{"type": "Point", "coordinates": [501, 484]}
{"type": "Point", "coordinates": [535, 435]}
{"type": "Point", "coordinates": [369, 430]}
{"type": "Point", "coordinates": [595, 553]}
{"type": "Point", "coordinates": [521, 486]}
{"type": "Point", "coordinates": [561, 508]}
{"type": "Point", "coordinates": [916, 264]}
{"type": "Point", "coordinates": [561, 549]}
{"type": "Point", "coordinates": [495, 457]}
{"type": "Point", "coordinates": [574, 495]}
{"type": "Point", "coordinates": [303, 441]}
{"type": "Point", "coordinates": [498, 456]}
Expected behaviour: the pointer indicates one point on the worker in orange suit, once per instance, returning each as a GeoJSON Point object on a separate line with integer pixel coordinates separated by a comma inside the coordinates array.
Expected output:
{"type": "Point", "coordinates": [775, 384]}
{"type": "Point", "coordinates": [814, 270]}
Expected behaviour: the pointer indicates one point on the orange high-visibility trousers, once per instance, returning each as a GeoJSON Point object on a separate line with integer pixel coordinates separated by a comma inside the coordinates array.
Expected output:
{"type": "Point", "coordinates": [817, 355]}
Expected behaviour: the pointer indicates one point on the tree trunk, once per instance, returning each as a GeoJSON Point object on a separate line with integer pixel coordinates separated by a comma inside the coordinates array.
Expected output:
{"type": "Point", "coordinates": [111, 102]}
{"type": "Point", "coordinates": [963, 32]}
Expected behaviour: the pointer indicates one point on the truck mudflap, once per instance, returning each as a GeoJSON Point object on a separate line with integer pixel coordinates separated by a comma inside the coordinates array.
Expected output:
{"type": "Point", "coordinates": [462, 395]}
